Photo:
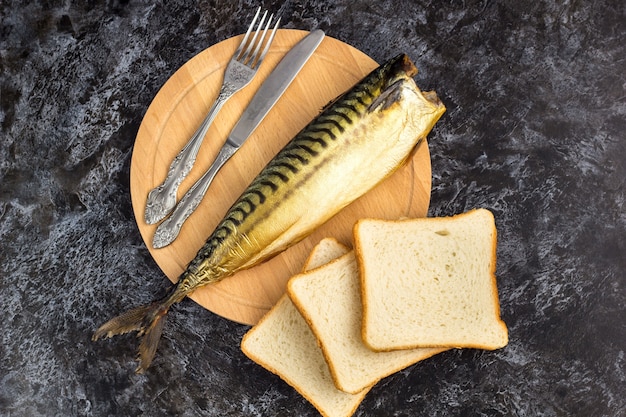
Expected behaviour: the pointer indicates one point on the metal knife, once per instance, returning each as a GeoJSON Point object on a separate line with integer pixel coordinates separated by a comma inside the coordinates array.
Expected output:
{"type": "Point", "coordinates": [264, 99]}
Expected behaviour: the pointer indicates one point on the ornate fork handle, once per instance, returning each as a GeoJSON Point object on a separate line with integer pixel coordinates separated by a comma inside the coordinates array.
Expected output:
{"type": "Point", "coordinates": [169, 229]}
{"type": "Point", "coordinates": [162, 199]}
{"type": "Point", "coordinates": [239, 72]}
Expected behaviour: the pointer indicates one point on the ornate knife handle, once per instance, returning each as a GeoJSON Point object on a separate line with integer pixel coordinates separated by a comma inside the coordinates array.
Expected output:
{"type": "Point", "coordinates": [167, 231]}
{"type": "Point", "coordinates": [162, 199]}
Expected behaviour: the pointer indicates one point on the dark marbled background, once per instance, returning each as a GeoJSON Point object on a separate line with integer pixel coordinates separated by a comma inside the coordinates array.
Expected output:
{"type": "Point", "coordinates": [535, 131]}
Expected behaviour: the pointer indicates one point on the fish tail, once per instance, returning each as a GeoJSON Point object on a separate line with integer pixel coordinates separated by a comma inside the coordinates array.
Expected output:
{"type": "Point", "coordinates": [147, 320]}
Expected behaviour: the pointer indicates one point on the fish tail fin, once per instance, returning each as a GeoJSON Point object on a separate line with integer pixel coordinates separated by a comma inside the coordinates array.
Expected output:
{"type": "Point", "coordinates": [148, 320]}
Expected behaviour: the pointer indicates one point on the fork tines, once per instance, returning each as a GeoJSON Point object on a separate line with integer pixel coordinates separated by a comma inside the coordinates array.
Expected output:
{"type": "Point", "coordinates": [250, 55]}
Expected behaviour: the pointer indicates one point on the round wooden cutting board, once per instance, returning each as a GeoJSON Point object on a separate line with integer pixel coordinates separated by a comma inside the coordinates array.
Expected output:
{"type": "Point", "coordinates": [178, 109]}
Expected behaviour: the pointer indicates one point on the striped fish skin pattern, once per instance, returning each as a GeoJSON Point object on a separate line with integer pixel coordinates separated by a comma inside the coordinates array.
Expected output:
{"type": "Point", "coordinates": [356, 141]}
{"type": "Point", "coordinates": [281, 193]}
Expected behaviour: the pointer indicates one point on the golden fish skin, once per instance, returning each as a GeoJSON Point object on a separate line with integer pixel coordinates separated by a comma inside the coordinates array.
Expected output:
{"type": "Point", "coordinates": [356, 142]}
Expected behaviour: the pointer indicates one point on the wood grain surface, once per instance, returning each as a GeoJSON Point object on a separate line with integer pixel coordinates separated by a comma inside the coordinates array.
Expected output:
{"type": "Point", "coordinates": [177, 111]}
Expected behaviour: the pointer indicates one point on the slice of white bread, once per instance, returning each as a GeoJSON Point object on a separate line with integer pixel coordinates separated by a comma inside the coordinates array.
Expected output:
{"type": "Point", "coordinates": [283, 343]}
{"type": "Point", "coordinates": [430, 282]}
{"type": "Point", "coordinates": [329, 299]}
{"type": "Point", "coordinates": [325, 251]}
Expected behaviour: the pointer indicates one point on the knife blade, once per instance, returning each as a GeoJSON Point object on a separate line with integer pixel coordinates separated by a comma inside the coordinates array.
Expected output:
{"type": "Point", "coordinates": [267, 95]}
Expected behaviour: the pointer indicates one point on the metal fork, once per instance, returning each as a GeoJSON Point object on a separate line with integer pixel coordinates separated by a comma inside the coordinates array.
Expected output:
{"type": "Point", "coordinates": [239, 72]}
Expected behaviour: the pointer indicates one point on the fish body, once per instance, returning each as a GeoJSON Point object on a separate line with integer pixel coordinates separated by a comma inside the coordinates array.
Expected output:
{"type": "Point", "coordinates": [356, 141]}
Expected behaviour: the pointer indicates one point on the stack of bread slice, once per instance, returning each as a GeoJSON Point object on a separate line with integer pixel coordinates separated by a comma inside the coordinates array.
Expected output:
{"type": "Point", "coordinates": [409, 290]}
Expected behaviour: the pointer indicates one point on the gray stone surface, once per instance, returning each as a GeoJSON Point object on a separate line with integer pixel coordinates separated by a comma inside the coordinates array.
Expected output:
{"type": "Point", "coordinates": [536, 99]}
